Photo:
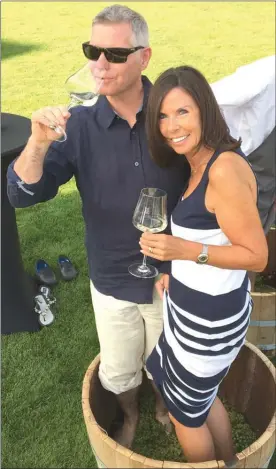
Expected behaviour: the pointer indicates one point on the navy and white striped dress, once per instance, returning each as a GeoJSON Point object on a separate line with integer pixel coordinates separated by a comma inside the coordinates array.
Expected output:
{"type": "Point", "coordinates": [206, 316]}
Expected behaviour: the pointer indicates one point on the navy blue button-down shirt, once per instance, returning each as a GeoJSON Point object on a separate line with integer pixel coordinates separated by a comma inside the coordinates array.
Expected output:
{"type": "Point", "coordinates": [111, 164]}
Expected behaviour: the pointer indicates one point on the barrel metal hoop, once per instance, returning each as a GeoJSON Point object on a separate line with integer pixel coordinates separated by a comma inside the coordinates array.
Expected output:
{"type": "Point", "coordinates": [263, 323]}
{"type": "Point", "coordinates": [100, 464]}
{"type": "Point", "coordinates": [267, 347]}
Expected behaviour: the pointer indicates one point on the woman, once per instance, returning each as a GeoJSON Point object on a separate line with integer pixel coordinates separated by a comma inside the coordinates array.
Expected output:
{"type": "Point", "coordinates": [216, 237]}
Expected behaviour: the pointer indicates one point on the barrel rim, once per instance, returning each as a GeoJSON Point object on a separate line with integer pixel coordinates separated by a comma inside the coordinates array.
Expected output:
{"type": "Point", "coordinates": [90, 419]}
{"type": "Point", "coordinates": [265, 294]}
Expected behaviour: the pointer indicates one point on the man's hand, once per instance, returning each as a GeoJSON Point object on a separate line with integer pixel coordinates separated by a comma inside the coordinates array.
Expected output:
{"type": "Point", "coordinates": [29, 165]}
{"type": "Point", "coordinates": [45, 118]}
{"type": "Point", "coordinates": [162, 284]}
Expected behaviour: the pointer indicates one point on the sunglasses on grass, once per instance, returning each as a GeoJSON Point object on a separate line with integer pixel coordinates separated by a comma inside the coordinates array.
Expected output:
{"type": "Point", "coordinates": [115, 55]}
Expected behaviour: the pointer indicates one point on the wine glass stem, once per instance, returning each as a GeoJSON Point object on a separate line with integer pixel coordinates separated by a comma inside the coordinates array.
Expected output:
{"type": "Point", "coordinates": [143, 267]}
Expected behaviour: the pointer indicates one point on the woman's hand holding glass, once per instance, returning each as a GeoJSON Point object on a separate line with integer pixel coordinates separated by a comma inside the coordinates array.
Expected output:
{"type": "Point", "coordinates": [150, 215]}
{"type": "Point", "coordinates": [164, 247]}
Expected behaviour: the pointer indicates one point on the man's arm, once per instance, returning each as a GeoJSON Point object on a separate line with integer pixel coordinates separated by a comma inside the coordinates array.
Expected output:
{"type": "Point", "coordinates": [43, 166]}
{"type": "Point", "coordinates": [29, 165]}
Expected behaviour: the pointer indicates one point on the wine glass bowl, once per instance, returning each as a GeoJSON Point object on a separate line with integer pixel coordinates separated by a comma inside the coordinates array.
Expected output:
{"type": "Point", "coordinates": [150, 215]}
{"type": "Point", "coordinates": [83, 89]}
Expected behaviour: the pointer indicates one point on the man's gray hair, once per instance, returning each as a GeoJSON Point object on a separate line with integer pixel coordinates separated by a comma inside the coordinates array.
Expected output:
{"type": "Point", "coordinates": [123, 14]}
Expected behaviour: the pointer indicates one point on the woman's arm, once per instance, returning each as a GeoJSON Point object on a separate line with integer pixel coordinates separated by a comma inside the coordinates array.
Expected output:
{"type": "Point", "coordinates": [232, 192]}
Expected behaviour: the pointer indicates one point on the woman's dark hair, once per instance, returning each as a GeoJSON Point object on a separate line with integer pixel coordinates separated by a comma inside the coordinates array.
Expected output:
{"type": "Point", "coordinates": [214, 130]}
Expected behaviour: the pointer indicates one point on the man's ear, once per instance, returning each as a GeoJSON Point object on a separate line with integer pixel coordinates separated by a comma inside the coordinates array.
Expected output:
{"type": "Point", "coordinates": [145, 56]}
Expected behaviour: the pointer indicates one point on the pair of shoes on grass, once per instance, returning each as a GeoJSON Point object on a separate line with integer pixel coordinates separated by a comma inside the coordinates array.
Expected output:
{"type": "Point", "coordinates": [46, 276]}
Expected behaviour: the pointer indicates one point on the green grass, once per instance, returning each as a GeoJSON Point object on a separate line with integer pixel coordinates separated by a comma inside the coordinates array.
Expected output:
{"type": "Point", "coordinates": [42, 424]}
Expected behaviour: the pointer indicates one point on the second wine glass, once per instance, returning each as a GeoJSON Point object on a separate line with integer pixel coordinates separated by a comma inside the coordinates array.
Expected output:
{"type": "Point", "coordinates": [150, 215]}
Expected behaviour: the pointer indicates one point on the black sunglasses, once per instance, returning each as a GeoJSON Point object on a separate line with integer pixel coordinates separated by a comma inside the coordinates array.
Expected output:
{"type": "Point", "coordinates": [116, 55]}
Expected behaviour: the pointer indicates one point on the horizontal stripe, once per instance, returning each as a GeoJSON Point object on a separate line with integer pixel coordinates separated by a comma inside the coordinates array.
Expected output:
{"type": "Point", "coordinates": [192, 400]}
{"type": "Point", "coordinates": [209, 353]}
{"type": "Point", "coordinates": [216, 349]}
{"type": "Point", "coordinates": [191, 389]}
{"type": "Point", "coordinates": [220, 308]}
{"type": "Point", "coordinates": [200, 413]}
{"type": "Point", "coordinates": [216, 336]}
{"type": "Point", "coordinates": [211, 344]}
{"type": "Point", "coordinates": [226, 321]}
{"type": "Point", "coordinates": [198, 327]}
{"type": "Point", "coordinates": [186, 213]}
{"type": "Point", "coordinates": [196, 385]}
{"type": "Point", "coordinates": [185, 401]}
{"type": "Point", "coordinates": [199, 364]}
{"type": "Point", "coordinates": [182, 417]}
{"type": "Point", "coordinates": [188, 393]}
{"type": "Point", "coordinates": [263, 323]}
{"type": "Point", "coordinates": [181, 405]}
{"type": "Point", "coordinates": [200, 342]}
{"type": "Point", "coordinates": [184, 410]}
{"type": "Point", "coordinates": [210, 236]}
{"type": "Point", "coordinates": [207, 278]}
{"type": "Point", "coordinates": [196, 348]}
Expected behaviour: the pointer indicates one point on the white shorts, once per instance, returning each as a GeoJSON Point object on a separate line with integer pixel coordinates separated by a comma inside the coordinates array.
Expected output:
{"type": "Point", "coordinates": [127, 333]}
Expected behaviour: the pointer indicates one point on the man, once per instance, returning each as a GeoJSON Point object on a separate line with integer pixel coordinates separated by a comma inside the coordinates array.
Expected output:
{"type": "Point", "coordinates": [247, 101]}
{"type": "Point", "coordinates": [106, 151]}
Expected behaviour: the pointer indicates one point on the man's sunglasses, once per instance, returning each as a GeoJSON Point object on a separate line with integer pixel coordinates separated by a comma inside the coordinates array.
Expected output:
{"type": "Point", "coordinates": [115, 55]}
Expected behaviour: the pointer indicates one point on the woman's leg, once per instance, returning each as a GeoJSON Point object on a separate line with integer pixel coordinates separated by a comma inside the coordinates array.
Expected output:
{"type": "Point", "coordinates": [197, 443]}
{"type": "Point", "coordinates": [220, 428]}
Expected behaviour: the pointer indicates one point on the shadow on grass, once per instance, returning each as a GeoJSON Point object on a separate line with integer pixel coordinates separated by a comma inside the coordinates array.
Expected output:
{"type": "Point", "coordinates": [12, 48]}
{"type": "Point", "coordinates": [52, 228]}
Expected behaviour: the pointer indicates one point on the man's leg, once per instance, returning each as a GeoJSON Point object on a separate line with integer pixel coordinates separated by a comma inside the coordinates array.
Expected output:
{"type": "Point", "coordinates": [153, 319]}
{"type": "Point", "coordinates": [120, 331]}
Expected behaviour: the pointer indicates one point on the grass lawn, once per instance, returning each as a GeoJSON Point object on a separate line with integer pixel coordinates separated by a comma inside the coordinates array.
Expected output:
{"type": "Point", "coordinates": [42, 420]}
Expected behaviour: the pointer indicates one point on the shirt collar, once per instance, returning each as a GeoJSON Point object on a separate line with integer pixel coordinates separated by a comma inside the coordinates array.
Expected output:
{"type": "Point", "coordinates": [106, 114]}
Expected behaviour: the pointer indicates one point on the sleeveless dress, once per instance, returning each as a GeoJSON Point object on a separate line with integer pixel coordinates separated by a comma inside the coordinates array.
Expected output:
{"type": "Point", "coordinates": [206, 316]}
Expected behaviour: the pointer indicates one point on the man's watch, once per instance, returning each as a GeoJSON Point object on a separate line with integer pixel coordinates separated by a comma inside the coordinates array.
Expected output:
{"type": "Point", "coordinates": [203, 256]}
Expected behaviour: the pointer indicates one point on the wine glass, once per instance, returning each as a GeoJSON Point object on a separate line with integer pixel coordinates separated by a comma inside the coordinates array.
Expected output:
{"type": "Point", "coordinates": [150, 215]}
{"type": "Point", "coordinates": [83, 89]}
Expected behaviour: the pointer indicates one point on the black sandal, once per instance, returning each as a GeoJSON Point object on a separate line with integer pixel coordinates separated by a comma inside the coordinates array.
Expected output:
{"type": "Point", "coordinates": [44, 273]}
{"type": "Point", "coordinates": [67, 270]}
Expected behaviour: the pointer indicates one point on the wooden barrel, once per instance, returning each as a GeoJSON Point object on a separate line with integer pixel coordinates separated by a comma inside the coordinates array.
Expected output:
{"type": "Point", "coordinates": [262, 329]}
{"type": "Point", "coordinates": [271, 242]}
{"type": "Point", "coordinates": [249, 387]}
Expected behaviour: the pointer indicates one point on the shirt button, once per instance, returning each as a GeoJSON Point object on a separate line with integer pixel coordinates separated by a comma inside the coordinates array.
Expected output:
{"type": "Point", "coordinates": [136, 163]}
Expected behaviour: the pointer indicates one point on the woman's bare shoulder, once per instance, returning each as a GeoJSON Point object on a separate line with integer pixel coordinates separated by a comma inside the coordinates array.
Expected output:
{"type": "Point", "coordinates": [230, 164]}
{"type": "Point", "coordinates": [231, 173]}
